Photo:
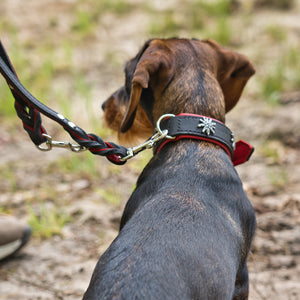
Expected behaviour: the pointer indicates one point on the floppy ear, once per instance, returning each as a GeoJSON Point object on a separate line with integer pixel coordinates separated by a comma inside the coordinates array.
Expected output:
{"type": "Point", "coordinates": [154, 68]}
{"type": "Point", "coordinates": [234, 70]}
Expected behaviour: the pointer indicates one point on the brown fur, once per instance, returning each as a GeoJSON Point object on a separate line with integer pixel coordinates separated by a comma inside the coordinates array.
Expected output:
{"type": "Point", "coordinates": [141, 128]}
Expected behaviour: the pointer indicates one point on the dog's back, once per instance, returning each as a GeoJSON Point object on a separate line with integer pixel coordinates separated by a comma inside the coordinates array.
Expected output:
{"type": "Point", "coordinates": [183, 231]}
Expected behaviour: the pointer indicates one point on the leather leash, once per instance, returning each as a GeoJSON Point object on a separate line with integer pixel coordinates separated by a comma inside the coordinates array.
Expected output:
{"type": "Point", "coordinates": [28, 109]}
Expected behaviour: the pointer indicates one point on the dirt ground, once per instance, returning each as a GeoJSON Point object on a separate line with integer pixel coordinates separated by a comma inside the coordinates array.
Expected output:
{"type": "Point", "coordinates": [60, 267]}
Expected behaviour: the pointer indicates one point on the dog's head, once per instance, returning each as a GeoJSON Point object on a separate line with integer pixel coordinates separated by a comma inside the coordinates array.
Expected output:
{"type": "Point", "coordinates": [176, 76]}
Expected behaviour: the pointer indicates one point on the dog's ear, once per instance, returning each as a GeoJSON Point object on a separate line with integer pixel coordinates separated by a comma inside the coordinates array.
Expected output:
{"type": "Point", "coordinates": [233, 72]}
{"type": "Point", "coordinates": [154, 68]}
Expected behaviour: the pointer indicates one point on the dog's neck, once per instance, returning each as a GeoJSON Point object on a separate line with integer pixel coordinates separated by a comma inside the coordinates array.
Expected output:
{"type": "Point", "coordinates": [203, 96]}
{"type": "Point", "coordinates": [189, 160]}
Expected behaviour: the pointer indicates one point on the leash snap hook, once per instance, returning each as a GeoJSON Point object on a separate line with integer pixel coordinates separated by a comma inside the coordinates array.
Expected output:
{"type": "Point", "coordinates": [50, 144]}
{"type": "Point", "coordinates": [157, 136]}
{"type": "Point", "coordinates": [131, 152]}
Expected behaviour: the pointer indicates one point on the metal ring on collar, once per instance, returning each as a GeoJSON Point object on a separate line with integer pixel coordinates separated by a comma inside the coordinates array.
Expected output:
{"type": "Point", "coordinates": [158, 125]}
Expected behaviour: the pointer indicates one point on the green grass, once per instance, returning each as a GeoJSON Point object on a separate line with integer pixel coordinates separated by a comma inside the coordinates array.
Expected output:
{"type": "Point", "coordinates": [110, 195]}
{"type": "Point", "coordinates": [277, 4]}
{"type": "Point", "coordinates": [84, 23]}
{"type": "Point", "coordinates": [221, 31]}
{"type": "Point", "coordinates": [292, 60]}
{"type": "Point", "coordinates": [278, 177]}
{"type": "Point", "coordinates": [42, 79]}
{"type": "Point", "coordinates": [276, 33]}
{"type": "Point", "coordinates": [118, 7]}
{"type": "Point", "coordinates": [88, 14]}
{"type": "Point", "coordinates": [196, 18]}
{"type": "Point", "coordinates": [83, 165]}
{"type": "Point", "coordinates": [6, 101]}
{"type": "Point", "coordinates": [219, 8]}
{"type": "Point", "coordinates": [8, 26]}
{"type": "Point", "coordinates": [46, 222]}
{"type": "Point", "coordinates": [8, 177]}
{"type": "Point", "coordinates": [5, 210]}
{"type": "Point", "coordinates": [272, 85]}
{"type": "Point", "coordinates": [166, 25]}
{"type": "Point", "coordinates": [283, 77]}
{"type": "Point", "coordinates": [271, 149]}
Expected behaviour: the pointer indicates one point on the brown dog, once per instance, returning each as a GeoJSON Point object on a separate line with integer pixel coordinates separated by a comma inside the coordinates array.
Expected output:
{"type": "Point", "coordinates": [187, 228]}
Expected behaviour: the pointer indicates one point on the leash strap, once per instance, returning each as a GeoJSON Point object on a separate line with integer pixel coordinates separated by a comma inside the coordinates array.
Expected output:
{"type": "Point", "coordinates": [28, 109]}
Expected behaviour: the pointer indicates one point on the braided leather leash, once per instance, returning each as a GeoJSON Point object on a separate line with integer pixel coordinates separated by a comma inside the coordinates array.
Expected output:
{"type": "Point", "coordinates": [29, 110]}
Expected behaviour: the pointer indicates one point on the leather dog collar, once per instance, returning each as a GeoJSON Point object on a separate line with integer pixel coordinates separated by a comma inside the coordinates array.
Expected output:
{"type": "Point", "coordinates": [191, 126]}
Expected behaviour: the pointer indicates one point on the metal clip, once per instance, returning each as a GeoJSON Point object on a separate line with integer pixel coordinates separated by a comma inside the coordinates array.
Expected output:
{"type": "Point", "coordinates": [50, 143]}
{"type": "Point", "coordinates": [157, 136]}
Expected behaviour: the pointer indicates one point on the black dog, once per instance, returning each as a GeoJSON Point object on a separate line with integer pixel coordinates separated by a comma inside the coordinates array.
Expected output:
{"type": "Point", "coordinates": [187, 228]}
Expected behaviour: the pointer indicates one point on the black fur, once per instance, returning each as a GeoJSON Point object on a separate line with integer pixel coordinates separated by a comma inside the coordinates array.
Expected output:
{"type": "Point", "coordinates": [185, 232]}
